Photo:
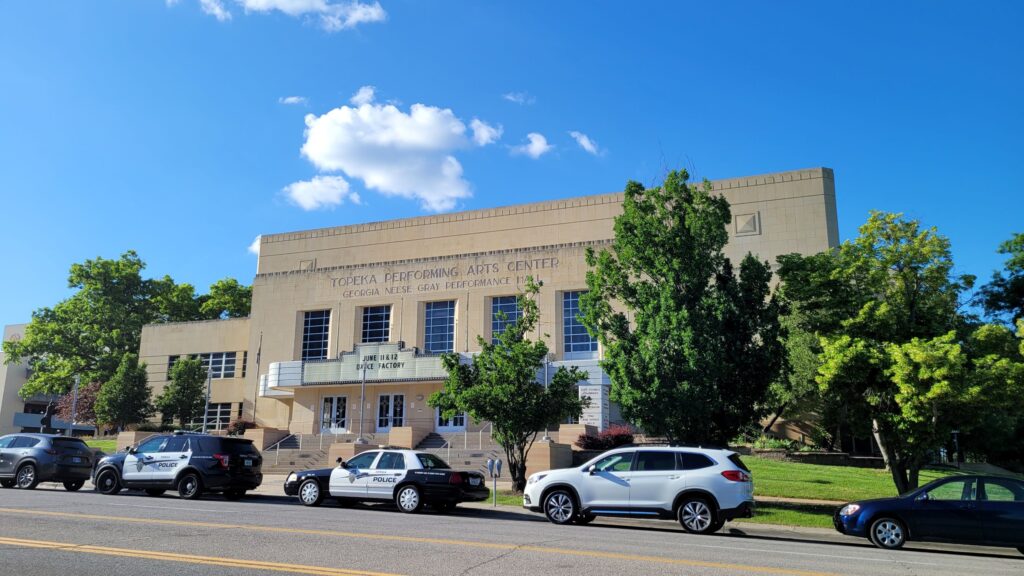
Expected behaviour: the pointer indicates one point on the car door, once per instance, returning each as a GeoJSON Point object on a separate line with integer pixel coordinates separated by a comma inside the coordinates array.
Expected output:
{"type": "Point", "coordinates": [6, 457]}
{"type": "Point", "coordinates": [950, 512]}
{"type": "Point", "coordinates": [137, 465]}
{"type": "Point", "coordinates": [654, 482]}
{"type": "Point", "coordinates": [1001, 510]}
{"type": "Point", "coordinates": [605, 484]}
{"type": "Point", "coordinates": [385, 475]}
{"type": "Point", "coordinates": [350, 481]}
{"type": "Point", "coordinates": [172, 457]}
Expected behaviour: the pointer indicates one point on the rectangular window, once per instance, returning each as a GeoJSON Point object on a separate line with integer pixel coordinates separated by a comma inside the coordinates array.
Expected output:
{"type": "Point", "coordinates": [218, 417]}
{"type": "Point", "coordinates": [219, 364]}
{"type": "Point", "coordinates": [510, 306]}
{"type": "Point", "coordinates": [316, 327]}
{"type": "Point", "coordinates": [245, 361]}
{"type": "Point", "coordinates": [577, 343]}
{"type": "Point", "coordinates": [170, 364]}
{"type": "Point", "coordinates": [377, 323]}
{"type": "Point", "coordinates": [439, 327]}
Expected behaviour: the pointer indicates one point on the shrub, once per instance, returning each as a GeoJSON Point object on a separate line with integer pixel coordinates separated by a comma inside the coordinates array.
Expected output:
{"type": "Point", "coordinates": [153, 427]}
{"type": "Point", "coordinates": [611, 437]}
{"type": "Point", "coordinates": [238, 427]}
{"type": "Point", "coordinates": [772, 443]}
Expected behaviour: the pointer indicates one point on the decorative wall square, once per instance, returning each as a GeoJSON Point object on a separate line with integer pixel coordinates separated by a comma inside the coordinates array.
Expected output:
{"type": "Point", "coordinates": [747, 224]}
{"type": "Point", "coordinates": [307, 265]}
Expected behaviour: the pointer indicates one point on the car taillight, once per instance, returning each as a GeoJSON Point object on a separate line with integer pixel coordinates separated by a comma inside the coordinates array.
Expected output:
{"type": "Point", "coordinates": [455, 478]}
{"type": "Point", "coordinates": [736, 476]}
{"type": "Point", "coordinates": [224, 460]}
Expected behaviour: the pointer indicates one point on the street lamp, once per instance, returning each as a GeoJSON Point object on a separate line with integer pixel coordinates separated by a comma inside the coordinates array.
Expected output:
{"type": "Point", "coordinates": [74, 407]}
{"type": "Point", "coordinates": [362, 406]}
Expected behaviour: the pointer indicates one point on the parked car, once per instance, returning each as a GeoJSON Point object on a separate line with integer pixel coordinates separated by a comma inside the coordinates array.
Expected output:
{"type": "Point", "coordinates": [191, 464]}
{"type": "Point", "coordinates": [701, 488]}
{"type": "Point", "coordinates": [28, 459]}
{"type": "Point", "coordinates": [409, 478]}
{"type": "Point", "coordinates": [987, 510]}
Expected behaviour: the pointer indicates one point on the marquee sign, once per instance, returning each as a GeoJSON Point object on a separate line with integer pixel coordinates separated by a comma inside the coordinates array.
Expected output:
{"type": "Point", "coordinates": [379, 362]}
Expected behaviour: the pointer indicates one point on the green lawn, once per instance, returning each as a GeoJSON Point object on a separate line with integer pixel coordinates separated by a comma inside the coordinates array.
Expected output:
{"type": "Point", "coordinates": [108, 446]}
{"type": "Point", "coordinates": [792, 515]}
{"type": "Point", "coordinates": [817, 482]}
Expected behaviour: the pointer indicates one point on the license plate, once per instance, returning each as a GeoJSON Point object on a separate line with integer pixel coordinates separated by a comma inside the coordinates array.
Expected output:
{"type": "Point", "coordinates": [474, 481]}
{"type": "Point", "coordinates": [248, 462]}
{"type": "Point", "coordinates": [76, 460]}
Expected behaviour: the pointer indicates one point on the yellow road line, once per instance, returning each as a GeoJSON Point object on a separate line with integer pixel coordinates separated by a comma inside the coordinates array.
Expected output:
{"type": "Point", "coordinates": [423, 540]}
{"type": "Point", "coordinates": [187, 558]}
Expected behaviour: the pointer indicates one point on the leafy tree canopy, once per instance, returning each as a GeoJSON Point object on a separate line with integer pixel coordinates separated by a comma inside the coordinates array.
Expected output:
{"type": "Point", "coordinates": [124, 399]}
{"type": "Point", "coordinates": [690, 345]}
{"type": "Point", "coordinates": [500, 385]}
{"type": "Point", "coordinates": [184, 397]}
{"type": "Point", "coordinates": [1003, 297]}
{"type": "Point", "coordinates": [89, 333]}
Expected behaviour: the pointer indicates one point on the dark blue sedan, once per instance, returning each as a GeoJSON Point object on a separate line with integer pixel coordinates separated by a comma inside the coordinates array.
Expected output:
{"type": "Point", "coordinates": [986, 510]}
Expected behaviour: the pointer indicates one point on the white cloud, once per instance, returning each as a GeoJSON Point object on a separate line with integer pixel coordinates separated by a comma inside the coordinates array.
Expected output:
{"type": "Point", "coordinates": [535, 148]}
{"type": "Point", "coordinates": [363, 96]}
{"type": "Point", "coordinates": [254, 248]}
{"type": "Point", "coordinates": [585, 142]}
{"type": "Point", "coordinates": [320, 192]}
{"type": "Point", "coordinates": [521, 98]}
{"type": "Point", "coordinates": [216, 9]}
{"type": "Point", "coordinates": [484, 133]}
{"type": "Point", "coordinates": [292, 100]}
{"type": "Point", "coordinates": [397, 153]}
{"type": "Point", "coordinates": [332, 16]}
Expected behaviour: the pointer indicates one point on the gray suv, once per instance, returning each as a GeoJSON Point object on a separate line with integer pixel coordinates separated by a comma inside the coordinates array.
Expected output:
{"type": "Point", "coordinates": [28, 459]}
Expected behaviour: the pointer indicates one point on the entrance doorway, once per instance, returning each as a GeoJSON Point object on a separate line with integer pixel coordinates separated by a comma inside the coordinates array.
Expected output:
{"type": "Point", "coordinates": [334, 415]}
{"type": "Point", "coordinates": [455, 424]}
{"type": "Point", "coordinates": [390, 412]}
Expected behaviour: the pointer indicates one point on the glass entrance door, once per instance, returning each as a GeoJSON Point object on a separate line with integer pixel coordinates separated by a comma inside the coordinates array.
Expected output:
{"type": "Point", "coordinates": [390, 411]}
{"type": "Point", "coordinates": [334, 415]}
{"type": "Point", "coordinates": [455, 424]}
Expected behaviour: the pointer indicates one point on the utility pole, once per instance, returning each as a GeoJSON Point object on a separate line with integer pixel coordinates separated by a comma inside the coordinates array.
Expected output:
{"type": "Point", "coordinates": [206, 409]}
{"type": "Point", "coordinates": [74, 407]}
{"type": "Point", "coordinates": [362, 407]}
{"type": "Point", "coordinates": [255, 396]}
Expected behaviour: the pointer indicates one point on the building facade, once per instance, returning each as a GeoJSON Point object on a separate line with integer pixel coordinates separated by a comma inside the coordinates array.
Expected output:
{"type": "Point", "coordinates": [348, 323]}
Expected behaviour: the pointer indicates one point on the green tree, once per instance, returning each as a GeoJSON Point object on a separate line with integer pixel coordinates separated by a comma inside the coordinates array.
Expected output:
{"type": "Point", "coordinates": [691, 347]}
{"type": "Point", "coordinates": [184, 397]}
{"type": "Point", "coordinates": [500, 385]}
{"type": "Point", "coordinates": [1003, 296]}
{"type": "Point", "coordinates": [124, 399]}
{"type": "Point", "coordinates": [227, 299]}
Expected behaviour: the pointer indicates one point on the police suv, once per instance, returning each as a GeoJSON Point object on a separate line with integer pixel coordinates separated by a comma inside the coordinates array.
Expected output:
{"type": "Point", "coordinates": [409, 478]}
{"type": "Point", "coordinates": [189, 463]}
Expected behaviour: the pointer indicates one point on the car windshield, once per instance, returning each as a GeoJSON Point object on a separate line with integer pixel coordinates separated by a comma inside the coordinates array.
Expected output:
{"type": "Point", "coordinates": [429, 461]}
{"type": "Point", "coordinates": [69, 443]}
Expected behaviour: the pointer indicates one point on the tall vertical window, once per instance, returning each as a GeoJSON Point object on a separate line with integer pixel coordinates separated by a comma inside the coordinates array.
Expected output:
{"type": "Point", "coordinates": [316, 326]}
{"type": "Point", "coordinates": [577, 343]}
{"type": "Point", "coordinates": [510, 306]}
{"type": "Point", "coordinates": [377, 323]}
{"type": "Point", "coordinates": [245, 361]}
{"type": "Point", "coordinates": [439, 327]}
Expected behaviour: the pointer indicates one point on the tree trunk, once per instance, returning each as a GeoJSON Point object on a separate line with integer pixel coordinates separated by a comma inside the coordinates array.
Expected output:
{"type": "Point", "coordinates": [775, 417]}
{"type": "Point", "coordinates": [895, 464]}
{"type": "Point", "coordinates": [914, 474]}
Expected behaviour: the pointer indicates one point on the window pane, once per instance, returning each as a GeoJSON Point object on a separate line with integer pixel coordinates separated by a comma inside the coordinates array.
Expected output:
{"type": "Point", "coordinates": [509, 305]}
{"type": "Point", "coordinates": [363, 460]}
{"type": "Point", "coordinates": [439, 327]}
{"type": "Point", "coordinates": [574, 335]}
{"type": "Point", "coordinates": [952, 491]}
{"type": "Point", "coordinates": [693, 461]}
{"type": "Point", "coordinates": [152, 444]}
{"type": "Point", "coordinates": [1004, 491]}
{"type": "Point", "coordinates": [650, 461]}
{"type": "Point", "coordinates": [315, 329]}
{"type": "Point", "coordinates": [615, 463]}
{"type": "Point", "coordinates": [175, 444]}
{"type": "Point", "coordinates": [377, 323]}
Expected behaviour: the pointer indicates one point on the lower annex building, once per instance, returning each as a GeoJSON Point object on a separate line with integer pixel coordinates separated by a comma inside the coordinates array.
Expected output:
{"type": "Point", "coordinates": [379, 302]}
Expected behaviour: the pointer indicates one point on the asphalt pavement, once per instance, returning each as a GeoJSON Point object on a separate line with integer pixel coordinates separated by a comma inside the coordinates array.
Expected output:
{"type": "Point", "coordinates": [49, 531]}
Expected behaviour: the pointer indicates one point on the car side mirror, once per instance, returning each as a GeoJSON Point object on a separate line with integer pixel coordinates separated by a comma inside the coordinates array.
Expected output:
{"type": "Point", "coordinates": [133, 450]}
{"type": "Point", "coordinates": [922, 497]}
{"type": "Point", "coordinates": [592, 469]}
{"type": "Point", "coordinates": [341, 462]}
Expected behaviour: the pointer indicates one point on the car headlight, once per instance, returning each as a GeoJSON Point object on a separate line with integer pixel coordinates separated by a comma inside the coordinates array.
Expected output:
{"type": "Point", "coordinates": [535, 478]}
{"type": "Point", "coordinates": [849, 510]}
{"type": "Point", "coordinates": [291, 478]}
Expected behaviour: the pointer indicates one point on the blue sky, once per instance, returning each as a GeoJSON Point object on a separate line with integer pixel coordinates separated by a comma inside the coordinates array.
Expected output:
{"type": "Point", "coordinates": [164, 126]}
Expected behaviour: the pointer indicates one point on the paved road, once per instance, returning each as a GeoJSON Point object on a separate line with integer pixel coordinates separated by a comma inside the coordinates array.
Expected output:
{"type": "Point", "coordinates": [52, 532]}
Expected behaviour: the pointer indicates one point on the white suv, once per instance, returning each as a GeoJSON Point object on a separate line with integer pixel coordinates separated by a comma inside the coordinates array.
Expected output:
{"type": "Point", "coordinates": [699, 487]}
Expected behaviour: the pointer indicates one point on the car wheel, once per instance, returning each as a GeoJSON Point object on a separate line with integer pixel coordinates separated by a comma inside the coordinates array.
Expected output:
{"type": "Point", "coordinates": [560, 507]}
{"type": "Point", "coordinates": [888, 533]}
{"type": "Point", "coordinates": [310, 493]}
{"type": "Point", "coordinates": [74, 485]}
{"type": "Point", "coordinates": [26, 478]}
{"type": "Point", "coordinates": [696, 516]}
{"type": "Point", "coordinates": [7, 483]}
{"type": "Point", "coordinates": [155, 491]}
{"type": "Point", "coordinates": [408, 499]}
{"type": "Point", "coordinates": [584, 519]}
{"type": "Point", "coordinates": [108, 483]}
{"type": "Point", "coordinates": [190, 487]}
{"type": "Point", "coordinates": [234, 494]}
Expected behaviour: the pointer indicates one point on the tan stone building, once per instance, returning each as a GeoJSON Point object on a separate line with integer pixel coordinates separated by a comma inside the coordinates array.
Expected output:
{"type": "Point", "coordinates": [377, 303]}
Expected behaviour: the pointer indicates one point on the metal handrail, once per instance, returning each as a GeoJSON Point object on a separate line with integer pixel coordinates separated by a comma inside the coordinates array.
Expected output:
{"type": "Point", "coordinates": [490, 429]}
{"type": "Point", "coordinates": [276, 447]}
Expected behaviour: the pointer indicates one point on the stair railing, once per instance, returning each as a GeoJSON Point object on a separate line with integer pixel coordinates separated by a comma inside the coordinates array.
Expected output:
{"type": "Point", "coordinates": [277, 448]}
{"type": "Point", "coordinates": [489, 428]}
